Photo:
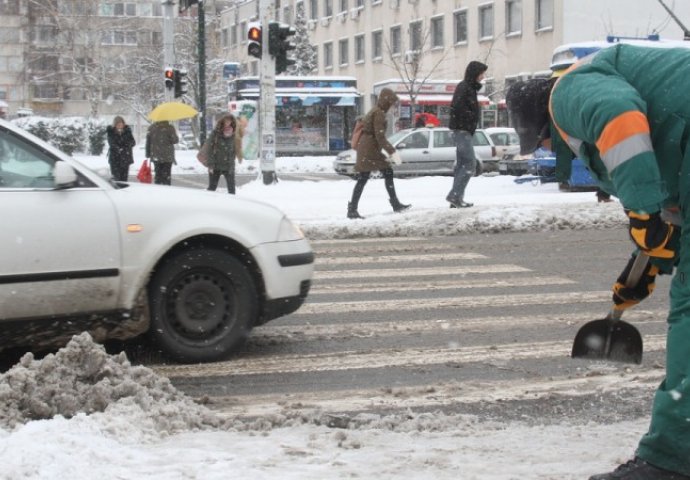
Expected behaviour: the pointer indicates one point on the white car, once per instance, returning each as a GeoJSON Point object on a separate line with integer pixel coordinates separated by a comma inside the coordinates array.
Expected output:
{"type": "Point", "coordinates": [426, 151]}
{"type": "Point", "coordinates": [193, 270]}
{"type": "Point", "coordinates": [506, 141]}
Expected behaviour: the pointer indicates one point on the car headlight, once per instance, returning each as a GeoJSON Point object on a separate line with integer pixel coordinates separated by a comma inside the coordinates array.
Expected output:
{"type": "Point", "coordinates": [288, 231]}
{"type": "Point", "coordinates": [345, 159]}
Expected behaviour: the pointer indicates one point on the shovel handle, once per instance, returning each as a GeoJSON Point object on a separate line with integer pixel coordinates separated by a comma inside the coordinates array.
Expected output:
{"type": "Point", "coordinates": [636, 272]}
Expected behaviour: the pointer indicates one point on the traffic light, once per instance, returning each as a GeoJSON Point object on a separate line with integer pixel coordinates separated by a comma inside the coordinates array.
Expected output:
{"type": "Point", "coordinates": [254, 36]}
{"type": "Point", "coordinates": [279, 45]}
{"type": "Point", "coordinates": [180, 82]}
{"type": "Point", "coordinates": [169, 78]}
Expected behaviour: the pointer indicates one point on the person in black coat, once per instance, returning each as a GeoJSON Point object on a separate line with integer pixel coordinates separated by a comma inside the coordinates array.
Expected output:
{"type": "Point", "coordinates": [464, 117]}
{"type": "Point", "coordinates": [121, 142]}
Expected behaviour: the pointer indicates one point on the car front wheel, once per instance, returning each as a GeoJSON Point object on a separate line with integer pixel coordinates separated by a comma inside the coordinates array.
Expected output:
{"type": "Point", "coordinates": [203, 305]}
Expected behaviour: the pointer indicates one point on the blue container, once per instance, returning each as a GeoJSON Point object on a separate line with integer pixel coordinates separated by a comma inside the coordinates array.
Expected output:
{"type": "Point", "coordinates": [580, 178]}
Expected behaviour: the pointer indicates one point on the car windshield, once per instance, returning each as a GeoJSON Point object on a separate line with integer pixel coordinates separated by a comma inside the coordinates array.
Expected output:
{"type": "Point", "coordinates": [505, 138]}
{"type": "Point", "coordinates": [479, 138]}
{"type": "Point", "coordinates": [395, 138]}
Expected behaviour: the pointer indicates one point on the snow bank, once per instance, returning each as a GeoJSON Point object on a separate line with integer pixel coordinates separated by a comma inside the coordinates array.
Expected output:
{"type": "Point", "coordinates": [83, 378]}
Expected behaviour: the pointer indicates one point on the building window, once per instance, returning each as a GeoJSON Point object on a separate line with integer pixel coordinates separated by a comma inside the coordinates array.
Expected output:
{"type": "Point", "coordinates": [118, 37]}
{"type": "Point", "coordinates": [513, 17]}
{"type": "Point", "coordinates": [328, 55]}
{"type": "Point", "coordinates": [44, 63]}
{"type": "Point", "coordinates": [245, 31]}
{"type": "Point", "coordinates": [486, 21]}
{"type": "Point", "coordinates": [377, 45]}
{"type": "Point", "coordinates": [224, 37]}
{"type": "Point", "coordinates": [49, 90]}
{"type": "Point", "coordinates": [344, 51]}
{"type": "Point", "coordinates": [233, 35]}
{"type": "Point", "coordinates": [460, 26]}
{"type": "Point", "coordinates": [125, 9]}
{"type": "Point", "coordinates": [396, 40]}
{"type": "Point", "coordinates": [44, 33]}
{"type": "Point", "coordinates": [437, 32]}
{"type": "Point", "coordinates": [328, 8]}
{"type": "Point", "coordinates": [145, 10]}
{"type": "Point", "coordinates": [359, 3]}
{"type": "Point", "coordinates": [344, 5]}
{"type": "Point", "coordinates": [359, 49]}
{"type": "Point", "coordinates": [313, 9]}
{"type": "Point", "coordinates": [416, 35]}
{"type": "Point", "coordinates": [544, 14]}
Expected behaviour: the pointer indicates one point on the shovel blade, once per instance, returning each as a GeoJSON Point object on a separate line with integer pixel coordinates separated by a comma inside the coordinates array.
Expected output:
{"type": "Point", "coordinates": [608, 339]}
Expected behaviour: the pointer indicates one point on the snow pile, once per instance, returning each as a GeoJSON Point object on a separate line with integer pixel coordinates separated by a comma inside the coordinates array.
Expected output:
{"type": "Point", "coordinates": [83, 378]}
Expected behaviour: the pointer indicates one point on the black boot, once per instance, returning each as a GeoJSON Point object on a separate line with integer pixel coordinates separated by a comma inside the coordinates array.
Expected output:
{"type": "Point", "coordinates": [638, 469]}
{"type": "Point", "coordinates": [352, 211]}
{"type": "Point", "coordinates": [397, 206]}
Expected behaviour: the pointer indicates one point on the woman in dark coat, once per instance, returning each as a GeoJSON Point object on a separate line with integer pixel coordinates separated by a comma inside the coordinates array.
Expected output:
{"type": "Point", "coordinates": [121, 142]}
{"type": "Point", "coordinates": [371, 158]}
{"type": "Point", "coordinates": [225, 145]}
{"type": "Point", "coordinates": [160, 148]}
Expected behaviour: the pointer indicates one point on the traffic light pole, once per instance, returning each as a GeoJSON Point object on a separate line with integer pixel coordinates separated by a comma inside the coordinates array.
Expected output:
{"type": "Point", "coordinates": [267, 98]}
{"type": "Point", "coordinates": [202, 71]}
{"type": "Point", "coordinates": [168, 41]}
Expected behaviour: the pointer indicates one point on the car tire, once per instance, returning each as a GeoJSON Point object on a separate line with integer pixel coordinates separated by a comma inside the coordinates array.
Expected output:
{"type": "Point", "coordinates": [203, 305]}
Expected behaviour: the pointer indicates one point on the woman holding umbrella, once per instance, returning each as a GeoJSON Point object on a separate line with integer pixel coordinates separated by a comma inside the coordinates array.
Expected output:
{"type": "Point", "coordinates": [162, 137]}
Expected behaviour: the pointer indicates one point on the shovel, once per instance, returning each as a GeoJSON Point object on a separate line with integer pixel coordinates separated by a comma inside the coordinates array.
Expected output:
{"type": "Point", "coordinates": [611, 338]}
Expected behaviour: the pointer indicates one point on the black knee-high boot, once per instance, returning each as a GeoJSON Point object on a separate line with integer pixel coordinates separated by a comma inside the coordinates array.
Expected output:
{"type": "Point", "coordinates": [390, 188]}
{"type": "Point", "coordinates": [352, 206]}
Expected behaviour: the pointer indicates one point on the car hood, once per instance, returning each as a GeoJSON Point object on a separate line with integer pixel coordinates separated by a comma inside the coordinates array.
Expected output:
{"type": "Point", "coordinates": [178, 209]}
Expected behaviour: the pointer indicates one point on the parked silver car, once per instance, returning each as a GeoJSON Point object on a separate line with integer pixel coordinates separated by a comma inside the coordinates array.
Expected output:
{"type": "Point", "coordinates": [426, 151]}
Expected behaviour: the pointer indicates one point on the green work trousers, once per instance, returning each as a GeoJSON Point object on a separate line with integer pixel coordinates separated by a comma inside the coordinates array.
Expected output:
{"type": "Point", "coordinates": [667, 443]}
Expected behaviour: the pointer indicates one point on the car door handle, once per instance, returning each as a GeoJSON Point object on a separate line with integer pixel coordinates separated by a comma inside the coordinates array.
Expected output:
{"type": "Point", "coordinates": [425, 151]}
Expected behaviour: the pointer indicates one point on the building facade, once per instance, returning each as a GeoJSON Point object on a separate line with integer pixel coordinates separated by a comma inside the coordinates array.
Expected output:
{"type": "Point", "coordinates": [96, 58]}
{"type": "Point", "coordinates": [420, 41]}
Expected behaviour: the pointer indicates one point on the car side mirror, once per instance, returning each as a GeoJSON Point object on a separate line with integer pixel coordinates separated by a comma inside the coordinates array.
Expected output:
{"type": "Point", "coordinates": [64, 176]}
{"type": "Point", "coordinates": [400, 146]}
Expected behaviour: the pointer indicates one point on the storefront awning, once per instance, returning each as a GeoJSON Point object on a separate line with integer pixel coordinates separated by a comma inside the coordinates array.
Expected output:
{"type": "Point", "coordinates": [307, 99]}
{"type": "Point", "coordinates": [426, 99]}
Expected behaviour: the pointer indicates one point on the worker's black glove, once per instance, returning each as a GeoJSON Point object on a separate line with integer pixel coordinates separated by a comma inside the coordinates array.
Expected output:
{"type": "Point", "coordinates": [625, 297]}
{"type": "Point", "coordinates": [651, 234]}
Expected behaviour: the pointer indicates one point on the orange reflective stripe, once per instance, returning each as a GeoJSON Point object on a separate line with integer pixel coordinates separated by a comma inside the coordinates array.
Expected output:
{"type": "Point", "coordinates": [620, 128]}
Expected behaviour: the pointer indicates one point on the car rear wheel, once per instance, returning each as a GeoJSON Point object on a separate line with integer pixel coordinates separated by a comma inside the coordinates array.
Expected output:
{"type": "Point", "coordinates": [203, 305]}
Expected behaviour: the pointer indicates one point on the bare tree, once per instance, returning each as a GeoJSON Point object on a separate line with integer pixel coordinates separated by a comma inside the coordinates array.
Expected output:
{"type": "Point", "coordinates": [409, 61]}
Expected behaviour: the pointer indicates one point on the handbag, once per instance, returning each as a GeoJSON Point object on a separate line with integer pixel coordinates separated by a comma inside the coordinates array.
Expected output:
{"type": "Point", "coordinates": [202, 156]}
{"type": "Point", "coordinates": [144, 174]}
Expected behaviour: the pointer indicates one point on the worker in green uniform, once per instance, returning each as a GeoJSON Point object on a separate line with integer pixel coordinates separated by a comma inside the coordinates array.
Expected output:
{"type": "Point", "coordinates": [625, 112]}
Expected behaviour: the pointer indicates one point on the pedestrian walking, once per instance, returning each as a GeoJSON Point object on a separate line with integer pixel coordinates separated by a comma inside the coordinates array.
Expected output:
{"type": "Point", "coordinates": [624, 111]}
{"type": "Point", "coordinates": [225, 144]}
{"type": "Point", "coordinates": [160, 149]}
{"type": "Point", "coordinates": [464, 118]}
{"type": "Point", "coordinates": [370, 156]}
{"type": "Point", "coordinates": [120, 143]}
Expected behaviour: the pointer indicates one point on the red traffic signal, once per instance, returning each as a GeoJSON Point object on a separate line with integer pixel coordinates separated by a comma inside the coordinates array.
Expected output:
{"type": "Point", "coordinates": [254, 36]}
{"type": "Point", "coordinates": [169, 74]}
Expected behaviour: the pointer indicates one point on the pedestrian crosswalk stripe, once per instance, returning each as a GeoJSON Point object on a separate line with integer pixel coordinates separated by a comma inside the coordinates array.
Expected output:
{"type": "Point", "coordinates": [434, 257]}
{"type": "Point", "coordinates": [522, 299]}
{"type": "Point", "coordinates": [369, 328]}
{"type": "Point", "coordinates": [417, 271]}
{"type": "Point", "coordinates": [434, 285]}
{"type": "Point", "coordinates": [383, 358]}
